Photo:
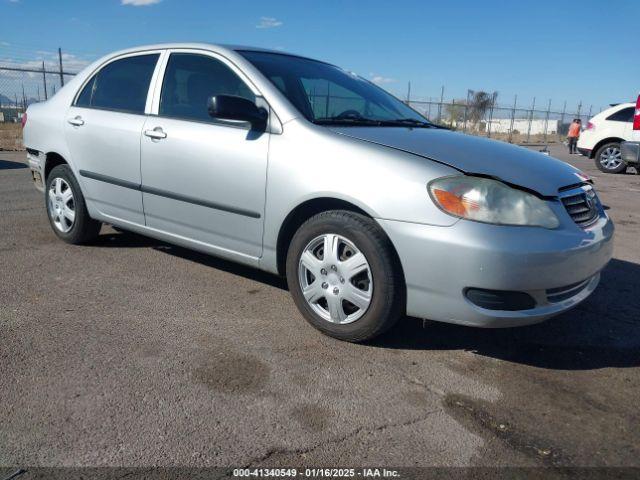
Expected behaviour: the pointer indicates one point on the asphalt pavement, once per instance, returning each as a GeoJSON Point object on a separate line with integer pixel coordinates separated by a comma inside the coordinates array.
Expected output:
{"type": "Point", "coordinates": [132, 352]}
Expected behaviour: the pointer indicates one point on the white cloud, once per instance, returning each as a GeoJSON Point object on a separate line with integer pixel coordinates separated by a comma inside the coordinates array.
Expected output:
{"type": "Point", "coordinates": [139, 3]}
{"type": "Point", "coordinates": [268, 22]}
{"type": "Point", "coordinates": [71, 63]}
{"type": "Point", "coordinates": [380, 80]}
{"type": "Point", "coordinates": [14, 1]}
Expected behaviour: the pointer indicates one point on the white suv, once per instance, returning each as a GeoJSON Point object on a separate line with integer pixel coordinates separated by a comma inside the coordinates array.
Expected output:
{"type": "Point", "coordinates": [603, 135]}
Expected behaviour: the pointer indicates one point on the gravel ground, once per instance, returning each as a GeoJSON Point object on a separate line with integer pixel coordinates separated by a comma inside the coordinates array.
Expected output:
{"type": "Point", "coordinates": [131, 352]}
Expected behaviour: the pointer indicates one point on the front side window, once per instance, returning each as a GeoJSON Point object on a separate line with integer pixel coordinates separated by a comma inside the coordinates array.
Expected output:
{"type": "Point", "coordinates": [624, 115]}
{"type": "Point", "coordinates": [122, 85]}
{"type": "Point", "coordinates": [324, 93]}
{"type": "Point", "coordinates": [190, 80]}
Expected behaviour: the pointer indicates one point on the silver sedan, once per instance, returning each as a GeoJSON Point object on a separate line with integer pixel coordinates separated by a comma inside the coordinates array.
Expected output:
{"type": "Point", "coordinates": [300, 168]}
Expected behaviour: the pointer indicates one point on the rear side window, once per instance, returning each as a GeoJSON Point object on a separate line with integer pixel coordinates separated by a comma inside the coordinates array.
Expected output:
{"type": "Point", "coordinates": [190, 80]}
{"type": "Point", "coordinates": [121, 85]}
{"type": "Point", "coordinates": [624, 115]}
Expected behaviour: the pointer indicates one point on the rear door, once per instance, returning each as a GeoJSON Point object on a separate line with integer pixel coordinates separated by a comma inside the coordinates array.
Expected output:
{"type": "Point", "coordinates": [204, 179]}
{"type": "Point", "coordinates": [103, 129]}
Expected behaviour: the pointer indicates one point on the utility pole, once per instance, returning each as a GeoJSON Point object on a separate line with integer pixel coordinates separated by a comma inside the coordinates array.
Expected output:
{"type": "Point", "coordinates": [579, 109]}
{"type": "Point", "coordinates": [494, 96]}
{"type": "Point", "coordinates": [326, 105]}
{"type": "Point", "coordinates": [513, 117]}
{"type": "Point", "coordinates": [546, 125]}
{"type": "Point", "coordinates": [466, 109]}
{"type": "Point", "coordinates": [440, 104]}
{"type": "Point", "coordinates": [44, 80]}
{"type": "Point", "coordinates": [564, 109]}
{"type": "Point", "coordinates": [533, 107]}
{"type": "Point", "coordinates": [61, 70]}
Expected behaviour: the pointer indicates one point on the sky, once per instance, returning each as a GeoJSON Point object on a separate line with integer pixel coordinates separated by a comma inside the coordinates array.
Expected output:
{"type": "Point", "coordinates": [579, 51]}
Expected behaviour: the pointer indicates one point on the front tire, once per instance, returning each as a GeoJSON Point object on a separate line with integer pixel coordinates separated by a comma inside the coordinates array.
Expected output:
{"type": "Point", "coordinates": [608, 158]}
{"type": "Point", "coordinates": [344, 276]}
{"type": "Point", "coordinates": [66, 208]}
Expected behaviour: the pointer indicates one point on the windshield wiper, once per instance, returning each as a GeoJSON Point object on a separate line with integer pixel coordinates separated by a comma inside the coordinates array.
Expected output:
{"type": "Point", "coordinates": [413, 122]}
{"type": "Point", "coordinates": [354, 121]}
{"type": "Point", "coordinates": [346, 121]}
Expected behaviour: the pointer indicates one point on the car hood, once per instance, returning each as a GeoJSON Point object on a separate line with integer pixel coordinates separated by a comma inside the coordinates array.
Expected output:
{"type": "Point", "coordinates": [475, 155]}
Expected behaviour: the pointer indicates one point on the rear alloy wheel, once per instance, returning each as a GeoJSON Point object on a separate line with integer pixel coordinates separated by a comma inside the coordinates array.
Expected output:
{"type": "Point", "coordinates": [66, 208]}
{"type": "Point", "coordinates": [61, 205]}
{"type": "Point", "coordinates": [344, 276]}
{"type": "Point", "coordinates": [609, 158]}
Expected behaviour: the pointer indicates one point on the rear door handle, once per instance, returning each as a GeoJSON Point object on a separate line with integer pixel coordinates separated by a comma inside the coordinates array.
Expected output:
{"type": "Point", "coordinates": [77, 121]}
{"type": "Point", "coordinates": [156, 133]}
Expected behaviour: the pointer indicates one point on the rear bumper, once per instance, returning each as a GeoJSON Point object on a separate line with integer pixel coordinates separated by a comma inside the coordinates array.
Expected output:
{"type": "Point", "coordinates": [36, 159]}
{"type": "Point", "coordinates": [630, 152]}
{"type": "Point", "coordinates": [587, 140]}
{"type": "Point", "coordinates": [558, 269]}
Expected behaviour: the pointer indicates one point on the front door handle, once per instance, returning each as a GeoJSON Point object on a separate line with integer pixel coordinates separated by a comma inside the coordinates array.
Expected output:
{"type": "Point", "coordinates": [77, 121]}
{"type": "Point", "coordinates": [156, 133]}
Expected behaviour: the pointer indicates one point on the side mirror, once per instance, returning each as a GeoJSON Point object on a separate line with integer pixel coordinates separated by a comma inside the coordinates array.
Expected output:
{"type": "Point", "coordinates": [230, 107]}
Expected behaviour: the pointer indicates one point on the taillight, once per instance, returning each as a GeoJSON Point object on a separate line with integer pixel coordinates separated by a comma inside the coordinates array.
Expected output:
{"type": "Point", "coordinates": [590, 126]}
{"type": "Point", "coordinates": [24, 119]}
{"type": "Point", "coordinates": [636, 115]}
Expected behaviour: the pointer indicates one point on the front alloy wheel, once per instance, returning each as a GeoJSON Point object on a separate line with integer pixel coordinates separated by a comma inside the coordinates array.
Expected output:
{"type": "Point", "coordinates": [344, 276]}
{"type": "Point", "coordinates": [335, 278]}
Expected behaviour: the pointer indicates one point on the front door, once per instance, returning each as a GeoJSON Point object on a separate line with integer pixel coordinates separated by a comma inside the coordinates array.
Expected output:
{"type": "Point", "coordinates": [203, 179]}
{"type": "Point", "coordinates": [103, 129]}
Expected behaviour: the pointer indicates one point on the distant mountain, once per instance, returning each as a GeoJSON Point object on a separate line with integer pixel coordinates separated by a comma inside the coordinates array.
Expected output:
{"type": "Point", "coordinates": [6, 101]}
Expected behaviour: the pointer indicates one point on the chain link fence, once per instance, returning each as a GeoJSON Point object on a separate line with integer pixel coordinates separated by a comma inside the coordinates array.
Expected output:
{"type": "Point", "coordinates": [514, 124]}
{"type": "Point", "coordinates": [21, 84]}
{"type": "Point", "coordinates": [25, 82]}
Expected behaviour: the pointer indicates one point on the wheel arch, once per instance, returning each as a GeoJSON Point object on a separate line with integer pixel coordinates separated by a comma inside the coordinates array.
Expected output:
{"type": "Point", "coordinates": [307, 209]}
{"type": "Point", "coordinates": [602, 142]}
{"type": "Point", "coordinates": [53, 159]}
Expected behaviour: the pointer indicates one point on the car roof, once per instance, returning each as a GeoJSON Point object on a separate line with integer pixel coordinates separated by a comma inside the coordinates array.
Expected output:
{"type": "Point", "coordinates": [215, 47]}
{"type": "Point", "coordinates": [614, 108]}
{"type": "Point", "coordinates": [619, 106]}
{"type": "Point", "coordinates": [286, 111]}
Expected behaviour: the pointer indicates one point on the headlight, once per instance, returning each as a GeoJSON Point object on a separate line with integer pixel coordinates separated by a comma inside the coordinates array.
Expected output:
{"type": "Point", "coordinates": [490, 201]}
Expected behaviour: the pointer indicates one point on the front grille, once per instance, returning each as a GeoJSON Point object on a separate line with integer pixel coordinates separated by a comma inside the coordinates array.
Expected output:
{"type": "Point", "coordinates": [582, 206]}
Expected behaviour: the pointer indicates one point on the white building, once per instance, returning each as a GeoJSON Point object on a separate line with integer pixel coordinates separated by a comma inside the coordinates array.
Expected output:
{"type": "Point", "coordinates": [502, 125]}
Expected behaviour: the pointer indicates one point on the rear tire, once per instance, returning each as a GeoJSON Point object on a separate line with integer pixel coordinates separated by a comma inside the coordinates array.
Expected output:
{"type": "Point", "coordinates": [362, 266]}
{"type": "Point", "coordinates": [608, 158]}
{"type": "Point", "coordinates": [66, 208]}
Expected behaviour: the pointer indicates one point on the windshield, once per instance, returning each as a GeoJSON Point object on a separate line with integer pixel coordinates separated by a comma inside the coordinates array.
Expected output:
{"type": "Point", "coordinates": [326, 94]}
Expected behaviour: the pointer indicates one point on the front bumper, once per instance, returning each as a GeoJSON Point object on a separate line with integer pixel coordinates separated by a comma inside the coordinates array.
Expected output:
{"type": "Point", "coordinates": [630, 152]}
{"type": "Point", "coordinates": [557, 268]}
